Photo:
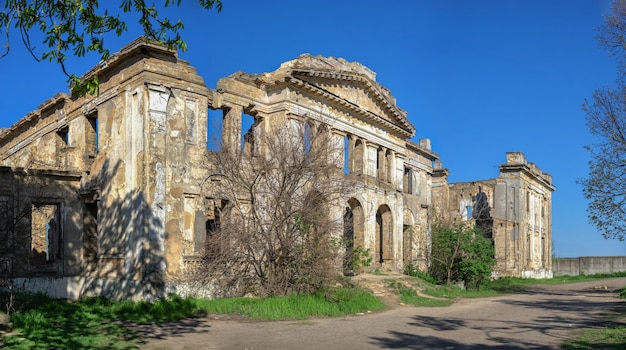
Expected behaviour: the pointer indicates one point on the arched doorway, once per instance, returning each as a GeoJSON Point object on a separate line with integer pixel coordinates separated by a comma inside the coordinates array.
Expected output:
{"type": "Point", "coordinates": [384, 235]}
{"type": "Point", "coordinates": [353, 235]}
{"type": "Point", "coordinates": [408, 237]}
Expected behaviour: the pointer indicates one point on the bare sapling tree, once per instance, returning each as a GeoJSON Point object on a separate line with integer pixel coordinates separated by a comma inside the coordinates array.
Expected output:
{"type": "Point", "coordinates": [606, 120]}
{"type": "Point", "coordinates": [14, 237]}
{"type": "Point", "coordinates": [277, 225]}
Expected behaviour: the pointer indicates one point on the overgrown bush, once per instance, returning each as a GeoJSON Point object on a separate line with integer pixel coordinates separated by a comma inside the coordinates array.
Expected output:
{"type": "Point", "coordinates": [461, 253]}
{"type": "Point", "coordinates": [356, 257]}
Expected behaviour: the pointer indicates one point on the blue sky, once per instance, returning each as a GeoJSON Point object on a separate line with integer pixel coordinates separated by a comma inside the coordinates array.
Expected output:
{"type": "Point", "coordinates": [479, 78]}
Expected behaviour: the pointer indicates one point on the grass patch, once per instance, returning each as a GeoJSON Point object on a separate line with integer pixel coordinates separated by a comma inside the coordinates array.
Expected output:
{"type": "Point", "coordinates": [609, 338]}
{"type": "Point", "coordinates": [410, 296]}
{"type": "Point", "coordinates": [514, 284]}
{"type": "Point", "coordinates": [408, 291]}
{"type": "Point", "coordinates": [44, 323]}
{"type": "Point", "coordinates": [331, 302]}
{"type": "Point", "coordinates": [454, 292]}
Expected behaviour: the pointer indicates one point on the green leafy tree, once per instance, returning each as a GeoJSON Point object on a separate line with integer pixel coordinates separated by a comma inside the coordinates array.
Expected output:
{"type": "Point", "coordinates": [606, 119]}
{"type": "Point", "coordinates": [477, 259]}
{"type": "Point", "coordinates": [446, 251]}
{"type": "Point", "coordinates": [77, 27]}
{"type": "Point", "coordinates": [461, 253]}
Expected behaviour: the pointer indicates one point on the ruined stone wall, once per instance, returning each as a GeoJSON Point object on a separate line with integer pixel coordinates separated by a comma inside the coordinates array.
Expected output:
{"type": "Point", "coordinates": [514, 210]}
{"type": "Point", "coordinates": [40, 224]}
{"type": "Point", "coordinates": [141, 188]}
{"type": "Point", "coordinates": [138, 147]}
{"type": "Point", "coordinates": [418, 204]}
{"type": "Point", "coordinates": [524, 221]}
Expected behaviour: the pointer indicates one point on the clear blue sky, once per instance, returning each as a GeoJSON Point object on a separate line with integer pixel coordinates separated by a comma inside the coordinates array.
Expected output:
{"type": "Point", "coordinates": [479, 78]}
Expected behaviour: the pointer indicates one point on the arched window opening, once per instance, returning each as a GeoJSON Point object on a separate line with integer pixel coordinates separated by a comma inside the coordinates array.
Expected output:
{"type": "Point", "coordinates": [353, 234]}
{"type": "Point", "coordinates": [384, 235]}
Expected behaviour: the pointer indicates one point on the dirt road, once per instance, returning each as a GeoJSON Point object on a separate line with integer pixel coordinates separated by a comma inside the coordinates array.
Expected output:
{"type": "Point", "coordinates": [540, 318]}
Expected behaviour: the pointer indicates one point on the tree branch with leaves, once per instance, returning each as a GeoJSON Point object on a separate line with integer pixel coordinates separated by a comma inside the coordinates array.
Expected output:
{"type": "Point", "coordinates": [78, 27]}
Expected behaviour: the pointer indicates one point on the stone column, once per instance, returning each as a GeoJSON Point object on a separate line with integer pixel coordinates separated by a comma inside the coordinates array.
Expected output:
{"type": "Point", "coordinates": [371, 155]}
{"type": "Point", "coordinates": [231, 128]}
{"type": "Point", "coordinates": [397, 180]}
{"type": "Point", "coordinates": [338, 149]}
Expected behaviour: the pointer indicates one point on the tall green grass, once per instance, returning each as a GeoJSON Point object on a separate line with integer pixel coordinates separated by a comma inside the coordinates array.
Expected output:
{"type": "Point", "coordinates": [332, 302]}
{"type": "Point", "coordinates": [45, 323]}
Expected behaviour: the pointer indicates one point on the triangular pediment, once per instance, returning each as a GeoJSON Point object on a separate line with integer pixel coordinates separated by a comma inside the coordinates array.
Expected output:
{"type": "Point", "coordinates": [346, 83]}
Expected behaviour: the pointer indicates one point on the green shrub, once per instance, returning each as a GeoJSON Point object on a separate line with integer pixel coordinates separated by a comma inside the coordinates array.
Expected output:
{"type": "Point", "coordinates": [461, 253]}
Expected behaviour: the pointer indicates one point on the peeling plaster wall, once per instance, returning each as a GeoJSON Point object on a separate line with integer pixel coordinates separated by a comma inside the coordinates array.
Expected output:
{"type": "Point", "coordinates": [135, 175]}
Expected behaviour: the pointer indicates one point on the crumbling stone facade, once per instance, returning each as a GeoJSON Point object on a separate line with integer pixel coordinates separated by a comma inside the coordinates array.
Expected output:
{"type": "Point", "coordinates": [514, 210]}
{"type": "Point", "coordinates": [122, 231]}
{"type": "Point", "coordinates": [388, 208]}
{"type": "Point", "coordinates": [115, 197]}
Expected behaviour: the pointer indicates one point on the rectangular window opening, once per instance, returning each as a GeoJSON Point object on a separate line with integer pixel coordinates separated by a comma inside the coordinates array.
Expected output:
{"type": "Point", "coordinates": [215, 122]}
{"type": "Point", "coordinates": [91, 134]}
{"type": "Point", "coordinates": [46, 233]}
{"type": "Point", "coordinates": [64, 136]}
{"type": "Point", "coordinates": [90, 230]}
{"type": "Point", "coordinates": [408, 181]}
{"type": "Point", "coordinates": [249, 135]}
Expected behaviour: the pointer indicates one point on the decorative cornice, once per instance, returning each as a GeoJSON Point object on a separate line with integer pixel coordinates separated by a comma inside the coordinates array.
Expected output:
{"type": "Point", "coordinates": [412, 146]}
{"type": "Point", "coordinates": [381, 98]}
{"type": "Point", "coordinates": [525, 169]}
{"type": "Point", "coordinates": [308, 87]}
{"type": "Point", "coordinates": [59, 98]}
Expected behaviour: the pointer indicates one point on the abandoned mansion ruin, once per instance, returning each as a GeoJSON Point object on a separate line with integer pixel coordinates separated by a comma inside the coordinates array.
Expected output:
{"type": "Point", "coordinates": [114, 194]}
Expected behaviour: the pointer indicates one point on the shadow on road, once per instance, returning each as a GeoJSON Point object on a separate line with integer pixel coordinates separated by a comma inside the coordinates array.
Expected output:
{"type": "Point", "coordinates": [568, 310]}
{"type": "Point", "coordinates": [171, 329]}
{"type": "Point", "coordinates": [398, 340]}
